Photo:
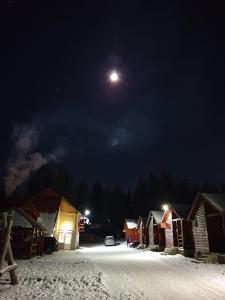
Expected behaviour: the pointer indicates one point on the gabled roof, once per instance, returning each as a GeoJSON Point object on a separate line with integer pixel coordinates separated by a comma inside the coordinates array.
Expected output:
{"type": "Point", "coordinates": [157, 215]}
{"type": "Point", "coordinates": [26, 217]}
{"type": "Point", "coordinates": [47, 201]}
{"type": "Point", "coordinates": [217, 200]}
{"type": "Point", "coordinates": [181, 210]}
{"type": "Point", "coordinates": [131, 223]}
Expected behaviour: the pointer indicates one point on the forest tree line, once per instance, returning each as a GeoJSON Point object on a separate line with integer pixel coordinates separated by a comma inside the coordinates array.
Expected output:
{"type": "Point", "coordinates": [113, 203]}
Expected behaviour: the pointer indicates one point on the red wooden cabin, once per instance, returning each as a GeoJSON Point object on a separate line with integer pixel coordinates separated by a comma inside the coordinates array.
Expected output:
{"type": "Point", "coordinates": [178, 229]}
{"type": "Point", "coordinates": [142, 230]}
{"type": "Point", "coordinates": [27, 235]}
{"type": "Point", "coordinates": [131, 230]}
{"type": "Point", "coordinates": [208, 220]}
{"type": "Point", "coordinates": [156, 234]}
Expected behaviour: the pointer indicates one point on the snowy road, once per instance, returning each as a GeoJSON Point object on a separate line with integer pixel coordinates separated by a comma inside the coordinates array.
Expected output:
{"type": "Point", "coordinates": [138, 274]}
{"type": "Point", "coordinates": [118, 272]}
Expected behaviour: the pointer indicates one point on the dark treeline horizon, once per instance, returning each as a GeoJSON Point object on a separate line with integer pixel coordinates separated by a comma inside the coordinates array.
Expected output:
{"type": "Point", "coordinates": [112, 203]}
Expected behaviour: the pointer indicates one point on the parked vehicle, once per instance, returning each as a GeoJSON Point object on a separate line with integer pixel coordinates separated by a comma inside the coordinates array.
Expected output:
{"type": "Point", "coordinates": [50, 244]}
{"type": "Point", "coordinates": [109, 241]}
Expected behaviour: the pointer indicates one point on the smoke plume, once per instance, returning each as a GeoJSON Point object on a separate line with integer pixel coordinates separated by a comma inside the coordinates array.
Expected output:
{"type": "Point", "coordinates": [58, 154]}
{"type": "Point", "coordinates": [23, 159]}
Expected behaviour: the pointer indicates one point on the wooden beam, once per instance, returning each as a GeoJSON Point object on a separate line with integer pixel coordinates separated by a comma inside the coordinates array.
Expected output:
{"type": "Point", "coordinates": [6, 249]}
{"type": "Point", "coordinates": [213, 215]}
{"type": "Point", "coordinates": [7, 224]}
{"type": "Point", "coordinates": [8, 269]}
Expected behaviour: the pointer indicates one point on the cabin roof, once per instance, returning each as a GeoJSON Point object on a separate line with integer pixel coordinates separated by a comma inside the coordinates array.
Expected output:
{"type": "Point", "coordinates": [131, 223]}
{"type": "Point", "coordinates": [27, 218]}
{"type": "Point", "coordinates": [47, 201]}
{"type": "Point", "coordinates": [157, 215]}
{"type": "Point", "coordinates": [217, 199]}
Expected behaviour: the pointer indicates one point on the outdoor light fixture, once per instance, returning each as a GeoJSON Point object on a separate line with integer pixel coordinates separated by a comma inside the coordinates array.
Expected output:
{"type": "Point", "coordinates": [67, 226]}
{"type": "Point", "coordinates": [165, 207]}
{"type": "Point", "coordinates": [87, 212]}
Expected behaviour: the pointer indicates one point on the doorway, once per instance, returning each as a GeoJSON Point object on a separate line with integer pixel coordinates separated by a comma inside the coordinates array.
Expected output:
{"type": "Point", "coordinates": [216, 233]}
{"type": "Point", "coordinates": [65, 239]}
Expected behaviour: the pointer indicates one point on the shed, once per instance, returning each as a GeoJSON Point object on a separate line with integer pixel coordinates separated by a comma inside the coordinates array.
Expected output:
{"type": "Point", "coordinates": [178, 229]}
{"type": "Point", "coordinates": [208, 218]}
{"type": "Point", "coordinates": [142, 230]}
{"type": "Point", "coordinates": [131, 230]}
{"type": "Point", "coordinates": [156, 234]}
{"type": "Point", "coordinates": [27, 235]}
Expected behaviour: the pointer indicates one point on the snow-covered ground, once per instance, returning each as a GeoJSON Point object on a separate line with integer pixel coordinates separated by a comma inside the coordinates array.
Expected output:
{"type": "Point", "coordinates": [100, 272]}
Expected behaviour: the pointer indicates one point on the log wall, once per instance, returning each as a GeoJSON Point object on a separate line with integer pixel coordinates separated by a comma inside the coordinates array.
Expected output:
{"type": "Point", "coordinates": [200, 233]}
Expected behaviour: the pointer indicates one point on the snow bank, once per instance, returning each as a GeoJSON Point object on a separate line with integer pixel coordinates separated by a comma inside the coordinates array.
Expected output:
{"type": "Point", "coordinates": [62, 275]}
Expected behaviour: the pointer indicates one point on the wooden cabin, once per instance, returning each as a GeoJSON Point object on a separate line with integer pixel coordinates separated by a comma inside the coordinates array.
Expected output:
{"type": "Point", "coordinates": [208, 223]}
{"type": "Point", "coordinates": [142, 230]}
{"type": "Point", "coordinates": [156, 234]}
{"type": "Point", "coordinates": [131, 230]}
{"type": "Point", "coordinates": [27, 235]}
{"type": "Point", "coordinates": [59, 217]}
{"type": "Point", "coordinates": [178, 229]}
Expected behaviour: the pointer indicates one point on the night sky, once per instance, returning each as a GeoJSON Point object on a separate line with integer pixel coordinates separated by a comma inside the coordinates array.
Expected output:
{"type": "Point", "coordinates": [168, 107]}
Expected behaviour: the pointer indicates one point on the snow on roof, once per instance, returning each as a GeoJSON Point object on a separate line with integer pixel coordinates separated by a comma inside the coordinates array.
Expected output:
{"type": "Point", "coordinates": [20, 218]}
{"type": "Point", "coordinates": [131, 223]}
{"type": "Point", "coordinates": [157, 215]}
{"type": "Point", "coordinates": [20, 221]}
{"type": "Point", "coordinates": [48, 220]}
{"type": "Point", "coordinates": [217, 199]}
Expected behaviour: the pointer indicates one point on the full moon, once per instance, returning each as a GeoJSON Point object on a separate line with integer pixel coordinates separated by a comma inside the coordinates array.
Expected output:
{"type": "Point", "coordinates": [114, 77]}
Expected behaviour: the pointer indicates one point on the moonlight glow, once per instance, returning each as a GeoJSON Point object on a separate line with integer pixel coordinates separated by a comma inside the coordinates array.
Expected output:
{"type": "Point", "coordinates": [114, 77]}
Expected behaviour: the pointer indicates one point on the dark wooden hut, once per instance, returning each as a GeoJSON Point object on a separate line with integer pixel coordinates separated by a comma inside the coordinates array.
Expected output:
{"type": "Point", "coordinates": [178, 229]}
{"type": "Point", "coordinates": [208, 223]}
{"type": "Point", "coordinates": [130, 230]}
{"type": "Point", "coordinates": [27, 235]}
{"type": "Point", "coordinates": [156, 234]}
{"type": "Point", "coordinates": [142, 221]}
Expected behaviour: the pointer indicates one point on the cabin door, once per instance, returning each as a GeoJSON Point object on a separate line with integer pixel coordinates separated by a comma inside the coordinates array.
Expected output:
{"type": "Point", "coordinates": [65, 239]}
{"type": "Point", "coordinates": [216, 233]}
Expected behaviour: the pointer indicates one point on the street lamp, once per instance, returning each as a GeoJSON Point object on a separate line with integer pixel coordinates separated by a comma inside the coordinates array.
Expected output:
{"type": "Point", "coordinates": [165, 207]}
{"type": "Point", "coordinates": [87, 212]}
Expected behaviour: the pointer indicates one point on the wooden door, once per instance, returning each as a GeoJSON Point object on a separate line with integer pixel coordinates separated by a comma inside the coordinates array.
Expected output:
{"type": "Point", "coordinates": [216, 233]}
